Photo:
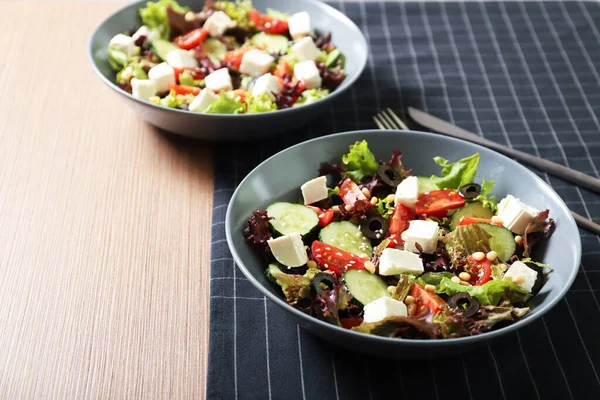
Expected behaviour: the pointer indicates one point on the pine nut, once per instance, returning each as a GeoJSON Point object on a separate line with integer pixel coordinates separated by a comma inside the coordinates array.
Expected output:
{"type": "Point", "coordinates": [464, 283]}
{"type": "Point", "coordinates": [496, 220]}
{"type": "Point", "coordinates": [478, 256]}
{"type": "Point", "coordinates": [503, 267]}
{"type": "Point", "coordinates": [519, 279]}
{"type": "Point", "coordinates": [455, 279]}
{"type": "Point", "coordinates": [190, 16]}
{"type": "Point", "coordinates": [391, 289]}
{"type": "Point", "coordinates": [412, 309]}
{"type": "Point", "coordinates": [464, 276]}
{"type": "Point", "coordinates": [409, 300]}
{"type": "Point", "coordinates": [492, 255]}
{"type": "Point", "coordinates": [311, 264]}
{"type": "Point", "coordinates": [335, 209]}
{"type": "Point", "coordinates": [390, 198]}
{"type": "Point", "coordinates": [374, 200]}
{"type": "Point", "coordinates": [430, 288]}
{"type": "Point", "coordinates": [348, 207]}
{"type": "Point", "coordinates": [518, 239]}
{"type": "Point", "coordinates": [366, 192]}
{"type": "Point", "coordinates": [369, 266]}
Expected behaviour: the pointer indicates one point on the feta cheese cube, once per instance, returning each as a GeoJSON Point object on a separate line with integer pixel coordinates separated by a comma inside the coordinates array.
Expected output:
{"type": "Point", "coordinates": [181, 59]}
{"type": "Point", "coordinates": [383, 308]}
{"type": "Point", "coordinates": [266, 84]}
{"type": "Point", "coordinates": [520, 269]}
{"type": "Point", "coordinates": [305, 49]}
{"type": "Point", "coordinates": [299, 25]}
{"type": "Point", "coordinates": [289, 250]}
{"type": "Point", "coordinates": [408, 192]}
{"type": "Point", "coordinates": [123, 43]}
{"type": "Point", "coordinates": [396, 262]}
{"type": "Point", "coordinates": [218, 80]}
{"type": "Point", "coordinates": [308, 72]}
{"type": "Point", "coordinates": [314, 190]}
{"type": "Point", "coordinates": [142, 88]}
{"type": "Point", "coordinates": [146, 32]}
{"type": "Point", "coordinates": [256, 62]}
{"type": "Point", "coordinates": [425, 233]}
{"type": "Point", "coordinates": [202, 101]}
{"type": "Point", "coordinates": [515, 214]}
{"type": "Point", "coordinates": [162, 75]}
{"type": "Point", "coordinates": [218, 23]}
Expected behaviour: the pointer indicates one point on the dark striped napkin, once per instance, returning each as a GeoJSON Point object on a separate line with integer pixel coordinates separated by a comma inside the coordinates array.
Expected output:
{"type": "Point", "coordinates": [522, 74]}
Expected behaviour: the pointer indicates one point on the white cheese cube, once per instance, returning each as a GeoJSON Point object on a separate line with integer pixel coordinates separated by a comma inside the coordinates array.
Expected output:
{"type": "Point", "coordinates": [515, 214]}
{"type": "Point", "coordinates": [142, 88]}
{"type": "Point", "coordinates": [256, 62]}
{"type": "Point", "coordinates": [289, 250]}
{"type": "Point", "coordinates": [520, 269]}
{"type": "Point", "coordinates": [181, 59]}
{"type": "Point", "coordinates": [305, 49]}
{"type": "Point", "coordinates": [396, 262]}
{"type": "Point", "coordinates": [149, 34]}
{"type": "Point", "coordinates": [314, 190]}
{"type": "Point", "coordinates": [308, 72]}
{"type": "Point", "coordinates": [162, 75]}
{"type": "Point", "coordinates": [218, 80]}
{"type": "Point", "coordinates": [425, 233]}
{"type": "Point", "coordinates": [299, 25]}
{"type": "Point", "coordinates": [383, 308]}
{"type": "Point", "coordinates": [123, 43]}
{"type": "Point", "coordinates": [267, 84]}
{"type": "Point", "coordinates": [218, 23]}
{"type": "Point", "coordinates": [203, 101]}
{"type": "Point", "coordinates": [408, 192]}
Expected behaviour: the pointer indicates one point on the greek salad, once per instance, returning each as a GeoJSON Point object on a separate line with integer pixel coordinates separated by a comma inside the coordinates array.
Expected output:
{"type": "Point", "coordinates": [227, 58]}
{"type": "Point", "coordinates": [374, 248]}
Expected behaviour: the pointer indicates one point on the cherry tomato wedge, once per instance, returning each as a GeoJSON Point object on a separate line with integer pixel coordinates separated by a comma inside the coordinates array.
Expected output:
{"type": "Point", "coordinates": [437, 203]}
{"type": "Point", "coordinates": [334, 259]}
{"type": "Point", "coordinates": [350, 192]}
{"type": "Point", "coordinates": [426, 300]}
{"type": "Point", "coordinates": [325, 216]}
{"type": "Point", "coordinates": [349, 323]}
{"type": "Point", "coordinates": [481, 271]}
{"type": "Point", "coordinates": [234, 57]}
{"type": "Point", "coordinates": [282, 69]}
{"type": "Point", "coordinates": [241, 93]}
{"type": "Point", "coordinates": [400, 219]}
{"type": "Point", "coordinates": [268, 24]}
{"type": "Point", "coordinates": [182, 89]}
{"type": "Point", "coordinates": [473, 221]}
{"type": "Point", "coordinates": [192, 39]}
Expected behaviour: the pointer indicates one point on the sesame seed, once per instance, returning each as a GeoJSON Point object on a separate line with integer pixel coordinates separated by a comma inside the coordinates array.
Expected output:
{"type": "Point", "coordinates": [318, 256]}
{"type": "Point", "coordinates": [338, 254]}
{"type": "Point", "coordinates": [327, 248]}
{"type": "Point", "coordinates": [352, 262]}
{"type": "Point", "coordinates": [321, 216]}
{"type": "Point", "coordinates": [326, 265]}
{"type": "Point", "coordinates": [317, 250]}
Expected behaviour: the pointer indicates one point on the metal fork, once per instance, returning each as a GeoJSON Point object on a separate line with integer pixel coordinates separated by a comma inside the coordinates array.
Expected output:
{"type": "Point", "coordinates": [388, 120]}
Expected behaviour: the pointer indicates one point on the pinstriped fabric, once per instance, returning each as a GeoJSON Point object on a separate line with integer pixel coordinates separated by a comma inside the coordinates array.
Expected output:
{"type": "Point", "coordinates": [523, 74]}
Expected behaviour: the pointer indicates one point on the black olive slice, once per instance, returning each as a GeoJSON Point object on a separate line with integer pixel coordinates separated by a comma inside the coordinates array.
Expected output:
{"type": "Point", "coordinates": [294, 270]}
{"type": "Point", "coordinates": [320, 282]}
{"type": "Point", "coordinates": [389, 176]}
{"type": "Point", "coordinates": [464, 303]}
{"type": "Point", "coordinates": [470, 191]}
{"type": "Point", "coordinates": [375, 227]}
{"type": "Point", "coordinates": [539, 280]}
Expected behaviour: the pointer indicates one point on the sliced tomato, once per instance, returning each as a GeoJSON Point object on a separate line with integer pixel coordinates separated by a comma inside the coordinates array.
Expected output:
{"type": "Point", "coordinates": [334, 259]}
{"type": "Point", "coordinates": [481, 271]}
{"type": "Point", "coordinates": [234, 57]}
{"type": "Point", "coordinates": [350, 323]}
{"type": "Point", "coordinates": [437, 203]}
{"type": "Point", "coordinates": [268, 24]}
{"type": "Point", "coordinates": [325, 216]}
{"type": "Point", "coordinates": [182, 89]}
{"type": "Point", "coordinates": [196, 73]}
{"type": "Point", "coordinates": [426, 300]}
{"type": "Point", "coordinates": [400, 219]}
{"type": "Point", "coordinates": [192, 39]}
{"type": "Point", "coordinates": [282, 69]}
{"type": "Point", "coordinates": [473, 221]}
{"type": "Point", "coordinates": [350, 192]}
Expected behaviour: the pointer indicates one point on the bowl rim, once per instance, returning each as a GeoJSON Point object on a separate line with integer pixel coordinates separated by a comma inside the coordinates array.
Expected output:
{"type": "Point", "coordinates": [325, 8]}
{"type": "Point", "coordinates": [539, 312]}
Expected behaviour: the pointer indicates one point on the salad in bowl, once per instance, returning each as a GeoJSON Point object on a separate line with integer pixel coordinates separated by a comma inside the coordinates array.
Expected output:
{"type": "Point", "coordinates": [227, 58]}
{"type": "Point", "coordinates": [376, 249]}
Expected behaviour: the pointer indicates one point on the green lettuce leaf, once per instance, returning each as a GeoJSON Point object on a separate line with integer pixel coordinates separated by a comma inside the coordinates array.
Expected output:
{"type": "Point", "coordinates": [454, 324]}
{"type": "Point", "coordinates": [310, 96]}
{"type": "Point", "coordinates": [172, 100]}
{"type": "Point", "coordinates": [490, 293]}
{"type": "Point", "coordinates": [419, 327]}
{"type": "Point", "coordinates": [133, 70]}
{"type": "Point", "coordinates": [154, 16]}
{"type": "Point", "coordinates": [260, 103]}
{"type": "Point", "coordinates": [117, 59]}
{"type": "Point", "coordinates": [186, 79]}
{"type": "Point", "coordinates": [434, 278]}
{"type": "Point", "coordinates": [290, 58]}
{"type": "Point", "coordinates": [335, 191]}
{"type": "Point", "coordinates": [237, 11]}
{"type": "Point", "coordinates": [464, 241]}
{"type": "Point", "coordinates": [497, 272]}
{"type": "Point", "coordinates": [385, 207]}
{"type": "Point", "coordinates": [359, 162]}
{"type": "Point", "coordinates": [294, 287]}
{"type": "Point", "coordinates": [228, 103]}
{"type": "Point", "coordinates": [485, 196]}
{"type": "Point", "coordinates": [456, 174]}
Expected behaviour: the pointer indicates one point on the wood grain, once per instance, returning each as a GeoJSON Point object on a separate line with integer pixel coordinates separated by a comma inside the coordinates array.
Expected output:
{"type": "Point", "coordinates": [104, 226]}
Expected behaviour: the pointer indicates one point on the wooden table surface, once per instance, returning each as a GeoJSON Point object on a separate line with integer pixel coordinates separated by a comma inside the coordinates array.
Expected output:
{"type": "Point", "coordinates": [104, 226]}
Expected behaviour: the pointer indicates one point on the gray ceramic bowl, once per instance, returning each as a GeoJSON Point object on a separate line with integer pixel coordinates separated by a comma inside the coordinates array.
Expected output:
{"type": "Point", "coordinates": [346, 35]}
{"type": "Point", "coordinates": [279, 178]}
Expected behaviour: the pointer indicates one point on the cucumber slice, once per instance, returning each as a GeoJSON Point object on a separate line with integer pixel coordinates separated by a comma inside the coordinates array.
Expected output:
{"type": "Point", "coordinates": [364, 286]}
{"type": "Point", "coordinates": [426, 185]}
{"type": "Point", "coordinates": [346, 236]}
{"type": "Point", "coordinates": [332, 57]}
{"type": "Point", "coordinates": [215, 49]}
{"type": "Point", "coordinates": [289, 218]}
{"type": "Point", "coordinates": [162, 47]}
{"type": "Point", "coordinates": [502, 241]}
{"type": "Point", "coordinates": [473, 210]}
{"type": "Point", "coordinates": [270, 41]}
